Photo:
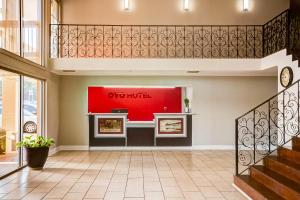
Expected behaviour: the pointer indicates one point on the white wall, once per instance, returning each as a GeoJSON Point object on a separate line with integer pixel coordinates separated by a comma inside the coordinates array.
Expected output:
{"type": "Point", "coordinates": [216, 100]}
{"type": "Point", "coordinates": [170, 12]}
{"type": "Point", "coordinates": [52, 107]}
{"type": "Point", "coordinates": [281, 60]}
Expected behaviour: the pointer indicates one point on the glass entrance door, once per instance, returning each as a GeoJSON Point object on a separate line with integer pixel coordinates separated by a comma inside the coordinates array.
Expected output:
{"type": "Point", "coordinates": [9, 121]}
{"type": "Point", "coordinates": [32, 111]}
{"type": "Point", "coordinates": [21, 115]}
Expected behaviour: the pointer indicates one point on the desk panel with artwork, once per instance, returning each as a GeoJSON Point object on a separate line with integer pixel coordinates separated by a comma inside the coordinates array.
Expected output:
{"type": "Point", "coordinates": [110, 125]}
{"type": "Point", "coordinates": [173, 129]}
{"type": "Point", "coordinates": [107, 129]}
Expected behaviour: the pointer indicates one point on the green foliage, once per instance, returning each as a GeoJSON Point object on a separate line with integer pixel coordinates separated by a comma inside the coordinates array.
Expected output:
{"type": "Point", "coordinates": [35, 142]}
{"type": "Point", "coordinates": [186, 102]}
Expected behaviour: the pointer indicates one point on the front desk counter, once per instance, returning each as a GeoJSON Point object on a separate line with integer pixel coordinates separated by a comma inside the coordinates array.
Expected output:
{"type": "Point", "coordinates": [167, 129]}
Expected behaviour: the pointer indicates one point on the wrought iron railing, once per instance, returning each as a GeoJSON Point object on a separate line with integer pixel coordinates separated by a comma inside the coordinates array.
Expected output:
{"type": "Point", "coordinates": [294, 33]}
{"type": "Point", "coordinates": [134, 41]}
{"type": "Point", "coordinates": [262, 130]}
{"type": "Point", "coordinates": [174, 41]}
{"type": "Point", "coordinates": [275, 33]}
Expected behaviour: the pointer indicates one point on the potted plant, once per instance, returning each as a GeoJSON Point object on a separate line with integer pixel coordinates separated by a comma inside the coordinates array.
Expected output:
{"type": "Point", "coordinates": [37, 149]}
{"type": "Point", "coordinates": [187, 105]}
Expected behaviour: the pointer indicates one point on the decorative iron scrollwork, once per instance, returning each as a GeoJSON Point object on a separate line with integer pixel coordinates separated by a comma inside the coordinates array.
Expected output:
{"type": "Point", "coordinates": [175, 41]}
{"type": "Point", "coordinates": [263, 129]}
{"type": "Point", "coordinates": [107, 41]}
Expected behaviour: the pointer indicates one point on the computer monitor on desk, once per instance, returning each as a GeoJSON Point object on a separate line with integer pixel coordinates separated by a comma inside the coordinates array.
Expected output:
{"type": "Point", "coordinates": [119, 110]}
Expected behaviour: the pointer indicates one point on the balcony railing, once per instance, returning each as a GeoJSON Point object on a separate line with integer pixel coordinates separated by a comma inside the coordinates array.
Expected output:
{"type": "Point", "coordinates": [113, 41]}
{"type": "Point", "coordinates": [174, 41]}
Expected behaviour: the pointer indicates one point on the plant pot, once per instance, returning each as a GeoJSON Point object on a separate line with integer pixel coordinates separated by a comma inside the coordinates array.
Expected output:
{"type": "Point", "coordinates": [186, 110]}
{"type": "Point", "coordinates": [36, 157]}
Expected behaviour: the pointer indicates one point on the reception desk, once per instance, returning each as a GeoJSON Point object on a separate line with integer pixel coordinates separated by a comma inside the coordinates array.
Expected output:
{"type": "Point", "coordinates": [114, 129]}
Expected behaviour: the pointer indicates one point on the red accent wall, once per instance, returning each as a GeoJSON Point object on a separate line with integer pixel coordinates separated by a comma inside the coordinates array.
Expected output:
{"type": "Point", "coordinates": [140, 102]}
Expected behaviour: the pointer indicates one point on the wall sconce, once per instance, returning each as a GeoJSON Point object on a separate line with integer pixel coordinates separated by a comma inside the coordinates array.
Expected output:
{"type": "Point", "coordinates": [246, 5]}
{"type": "Point", "coordinates": [186, 5]}
{"type": "Point", "coordinates": [126, 4]}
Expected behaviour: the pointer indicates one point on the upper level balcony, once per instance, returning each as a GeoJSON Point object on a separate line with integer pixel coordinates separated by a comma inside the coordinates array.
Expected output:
{"type": "Point", "coordinates": [171, 44]}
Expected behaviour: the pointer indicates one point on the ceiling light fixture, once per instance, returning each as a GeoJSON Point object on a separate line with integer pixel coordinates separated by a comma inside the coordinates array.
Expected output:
{"type": "Point", "coordinates": [186, 5]}
{"type": "Point", "coordinates": [246, 5]}
{"type": "Point", "coordinates": [126, 4]}
{"type": "Point", "coordinates": [192, 72]}
{"type": "Point", "coordinates": [68, 70]}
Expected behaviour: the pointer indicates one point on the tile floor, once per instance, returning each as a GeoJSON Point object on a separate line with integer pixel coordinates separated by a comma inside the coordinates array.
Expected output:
{"type": "Point", "coordinates": [8, 162]}
{"type": "Point", "coordinates": [136, 175]}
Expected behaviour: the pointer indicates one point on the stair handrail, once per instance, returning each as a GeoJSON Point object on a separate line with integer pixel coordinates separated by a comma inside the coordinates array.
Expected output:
{"type": "Point", "coordinates": [259, 133]}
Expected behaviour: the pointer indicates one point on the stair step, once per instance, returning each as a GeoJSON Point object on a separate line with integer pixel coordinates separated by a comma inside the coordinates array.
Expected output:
{"type": "Point", "coordinates": [283, 167]}
{"type": "Point", "coordinates": [289, 154]}
{"type": "Point", "coordinates": [254, 189]}
{"type": "Point", "coordinates": [282, 186]}
{"type": "Point", "coordinates": [296, 143]}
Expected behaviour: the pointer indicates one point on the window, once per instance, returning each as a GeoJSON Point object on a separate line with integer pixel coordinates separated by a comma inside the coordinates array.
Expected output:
{"type": "Point", "coordinates": [10, 25]}
{"type": "Point", "coordinates": [21, 115]}
{"type": "Point", "coordinates": [31, 30]}
{"type": "Point", "coordinates": [9, 121]}
{"type": "Point", "coordinates": [32, 106]}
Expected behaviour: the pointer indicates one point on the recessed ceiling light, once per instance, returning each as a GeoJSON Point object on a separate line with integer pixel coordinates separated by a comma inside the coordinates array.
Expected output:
{"type": "Point", "coordinates": [68, 70]}
{"type": "Point", "coordinates": [193, 72]}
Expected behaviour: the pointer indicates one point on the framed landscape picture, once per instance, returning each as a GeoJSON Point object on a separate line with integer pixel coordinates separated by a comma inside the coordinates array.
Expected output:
{"type": "Point", "coordinates": [110, 126]}
{"type": "Point", "coordinates": [170, 126]}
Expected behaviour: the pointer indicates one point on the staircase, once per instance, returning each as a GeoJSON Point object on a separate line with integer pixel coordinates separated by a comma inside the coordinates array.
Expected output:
{"type": "Point", "coordinates": [277, 178]}
{"type": "Point", "coordinates": [268, 136]}
{"type": "Point", "coordinates": [268, 148]}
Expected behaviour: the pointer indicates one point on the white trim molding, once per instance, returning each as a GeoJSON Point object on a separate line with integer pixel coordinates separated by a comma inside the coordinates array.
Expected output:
{"type": "Point", "coordinates": [126, 148]}
{"type": "Point", "coordinates": [73, 148]}
{"type": "Point", "coordinates": [213, 147]}
{"type": "Point", "coordinates": [241, 191]}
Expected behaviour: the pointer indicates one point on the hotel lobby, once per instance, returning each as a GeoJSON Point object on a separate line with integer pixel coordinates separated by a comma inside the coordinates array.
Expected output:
{"type": "Point", "coordinates": [149, 99]}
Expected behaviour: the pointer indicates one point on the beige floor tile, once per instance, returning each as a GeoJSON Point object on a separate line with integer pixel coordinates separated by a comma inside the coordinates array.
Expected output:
{"type": "Point", "coordinates": [18, 193]}
{"type": "Point", "coordinates": [168, 182]}
{"type": "Point", "coordinates": [135, 188]}
{"type": "Point", "coordinates": [152, 186]}
{"type": "Point", "coordinates": [233, 196]}
{"type": "Point", "coordinates": [165, 174]}
{"type": "Point", "coordinates": [8, 187]}
{"type": "Point", "coordinates": [210, 192]}
{"type": "Point", "coordinates": [127, 175]}
{"type": "Point", "coordinates": [34, 196]}
{"type": "Point", "coordinates": [114, 196]}
{"type": "Point", "coordinates": [154, 196]}
{"type": "Point", "coordinates": [172, 192]}
{"type": "Point", "coordinates": [74, 196]}
{"type": "Point", "coordinates": [92, 199]}
{"type": "Point", "coordinates": [193, 196]}
{"type": "Point", "coordinates": [117, 186]}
